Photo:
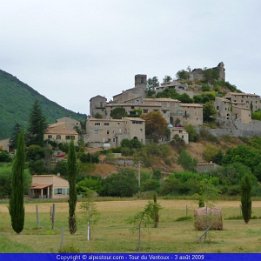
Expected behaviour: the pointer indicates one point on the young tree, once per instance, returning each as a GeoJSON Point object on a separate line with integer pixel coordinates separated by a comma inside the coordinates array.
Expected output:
{"type": "Point", "coordinates": [90, 211]}
{"type": "Point", "coordinates": [16, 203]}
{"type": "Point", "coordinates": [246, 202]}
{"type": "Point", "coordinates": [142, 219]}
{"type": "Point", "coordinates": [72, 171]}
{"type": "Point", "coordinates": [37, 126]}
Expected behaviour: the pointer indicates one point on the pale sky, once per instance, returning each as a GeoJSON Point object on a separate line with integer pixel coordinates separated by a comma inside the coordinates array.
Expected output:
{"type": "Point", "coordinates": [72, 50]}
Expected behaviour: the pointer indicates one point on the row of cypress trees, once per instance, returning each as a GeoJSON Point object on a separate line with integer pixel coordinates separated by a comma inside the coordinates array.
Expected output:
{"type": "Point", "coordinates": [34, 136]}
{"type": "Point", "coordinates": [16, 202]}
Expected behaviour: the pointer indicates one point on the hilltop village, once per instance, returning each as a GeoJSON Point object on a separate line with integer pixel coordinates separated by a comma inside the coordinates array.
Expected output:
{"type": "Point", "coordinates": [232, 116]}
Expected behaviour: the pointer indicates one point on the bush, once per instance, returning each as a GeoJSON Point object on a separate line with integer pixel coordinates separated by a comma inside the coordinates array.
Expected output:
{"type": "Point", "coordinates": [5, 156]}
{"type": "Point", "coordinates": [89, 183]}
{"type": "Point", "coordinates": [37, 166]}
{"type": "Point", "coordinates": [186, 161]}
{"type": "Point", "coordinates": [35, 152]}
{"type": "Point", "coordinates": [212, 153]}
{"type": "Point", "coordinates": [193, 135]}
{"type": "Point", "coordinates": [5, 180]}
{"type": "Point", "coordinates": [89, 158]}
{"type": "Point", "coordinates": [61, 167]}
{"type": "Point", "coordinates": [122, 184]}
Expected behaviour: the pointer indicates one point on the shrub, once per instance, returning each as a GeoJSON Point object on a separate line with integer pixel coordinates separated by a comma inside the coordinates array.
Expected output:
{"type": "Point", "coordinates": [89, 183]}
{"type": "Point", "coordinates": [186, 161]}
{"type": "Point", "coordinates": [37, 166]}
{"type": "Point", "coordinates": [89, 158]}
{"type": "Point", "coordinates": [193, 135]}
{"type": "Point", "coordinates": [212, 153]}
{"type": "Point", "coordinates": [122, 184]}
{"type": "Point", "coordinates": [35, 152]}
{"type": "Point", "coordinates": [5, 156]}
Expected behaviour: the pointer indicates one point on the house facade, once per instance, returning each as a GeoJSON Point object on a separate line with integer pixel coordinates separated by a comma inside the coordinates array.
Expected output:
{"type": "Point", "coordinates": [231, 111]}
{"type": "Point", "coordinates": [250, 101]}
{"type": "Point", "coordinates": [113, 131]}
{"type": "Point", "coordinates": [4, 145]}
{"type": "Point", "coordinates": [49, 186]}
{"type": "Point", "coordinates": [63, 131]}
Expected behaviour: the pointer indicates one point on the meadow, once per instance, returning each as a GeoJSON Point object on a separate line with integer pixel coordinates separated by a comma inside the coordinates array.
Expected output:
{"type": "Point", "coordinates": [113, 233]}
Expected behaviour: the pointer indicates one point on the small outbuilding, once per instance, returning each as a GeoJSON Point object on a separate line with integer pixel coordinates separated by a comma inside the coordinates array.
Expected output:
{"type": "Point", "coordinates": [49, 186]}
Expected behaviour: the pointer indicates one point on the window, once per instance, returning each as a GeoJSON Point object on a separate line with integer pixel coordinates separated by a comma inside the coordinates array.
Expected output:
{"type": "Point", "coordinates": [108, 132]}
{"type": "Point", "coordinates": [68, 137]}
{"type": "Point", "coordinates": [72, 137]}
{"type": "Point", "coordinates": [97, 124]}
{"type": "Point", "coordinates": [106, 123]}
{"type": "Point", "coordinates": [58, 137]}
{"type": "Point", "coordinates": [50, 136]}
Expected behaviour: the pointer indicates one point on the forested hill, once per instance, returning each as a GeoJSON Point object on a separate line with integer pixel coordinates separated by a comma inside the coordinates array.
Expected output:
{"type": "Point", "coordinates": [16, 100]}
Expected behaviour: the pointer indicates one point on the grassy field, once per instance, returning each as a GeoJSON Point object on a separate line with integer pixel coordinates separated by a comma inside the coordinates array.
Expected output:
{"type": "Point", "coordinates": [112, 233]}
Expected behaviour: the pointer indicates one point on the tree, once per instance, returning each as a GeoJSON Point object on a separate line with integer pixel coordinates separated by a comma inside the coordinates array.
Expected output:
{"type": "Point", "coordinates": [186, 161]}
{"type": "Point", "coordinates": [209, 111]}
{"type": "Point", "coordinates": [118, 113]}
{"type": "Point", "coordinates": [246, 202]}
{"type": "Point", "coordinates": [37, 126]}
{"type": "Point", "coordinates": [14, 135]}
{"type": "Point", "coordinates": [16, 203]}
{"type": "Point", "coordinates": [182, 75]}
{"type": "Point", "coordinates": [167, 79]}
{"type": "Point", "coordinates": [145, 218]}
{"type": "Point", "coordinates": [155, 125]}
{"type": "Point", "coordinates": [90, 211]}
{"type": "Point", "coordinates": [72, 170]}
{"type": "Point", "coordinates": [152, 83]}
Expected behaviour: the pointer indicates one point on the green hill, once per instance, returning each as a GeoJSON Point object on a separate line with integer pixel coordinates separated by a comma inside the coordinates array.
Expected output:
{"type": "Point", "coordinates": [16, 100]}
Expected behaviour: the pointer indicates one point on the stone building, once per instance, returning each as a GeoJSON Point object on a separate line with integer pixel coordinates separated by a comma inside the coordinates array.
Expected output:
{"type": "Point", "coordinates": [139, 90]}
{"type": "Point", "coordinates": [198, 74]}
{"type": "Point", "coordinates": [250, 101]}
{"type": "Point", "coordinates": [191, 114]}
{"type": "Point", "coordinates": [180, 132]}
{"type": "Point", "coordinates": [230, 111]}
{"type": "Point", "coordinates": [97, 106]}
{"type": "Point", "coordinates": [63, 131]}
{"type": "Point", "coordinates": [113, 131]}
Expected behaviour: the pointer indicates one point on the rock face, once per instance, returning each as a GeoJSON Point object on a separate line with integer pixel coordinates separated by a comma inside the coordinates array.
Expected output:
{"type": "Point", "coordinates": [208, 218]}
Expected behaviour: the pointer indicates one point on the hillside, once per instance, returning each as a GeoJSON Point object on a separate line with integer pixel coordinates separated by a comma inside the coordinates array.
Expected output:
{"type": "Point", "coordinates": [16, 100]}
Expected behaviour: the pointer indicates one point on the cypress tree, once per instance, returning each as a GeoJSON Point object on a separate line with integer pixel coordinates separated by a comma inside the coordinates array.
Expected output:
{"type": "Point", "coordinates": [37, 126]}
{"type": "Point", "coordinates": [16, 203]}
{"type": "Point", "coordinates": [246, 202]}
{"type": "Point", "coordinates": [72, 170]}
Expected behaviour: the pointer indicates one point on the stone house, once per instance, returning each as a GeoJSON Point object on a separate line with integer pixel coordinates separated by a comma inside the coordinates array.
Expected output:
{"type": "Point", "coordinates": [113, 131]}
{"type": "Point", "coordinates": [250, 101]}
{"type": "Point", "coordinates": [176, 85]}
{"type": "Point", "coordinates": [49, 186]}
{"type": "Point", "coordinates": [191, 114]}
{"type": "Point", "coordinates": [230, 111]}
{"type": "Point", "coordinates": [62, 132]}
{"type": "Point", "coordinates": [180, 132]}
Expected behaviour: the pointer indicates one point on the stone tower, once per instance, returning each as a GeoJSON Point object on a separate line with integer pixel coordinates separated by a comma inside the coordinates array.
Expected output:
{"type": "Point", "coordinates": [221, 71]}
{"type": "Point", "coordinates": [140, 81]}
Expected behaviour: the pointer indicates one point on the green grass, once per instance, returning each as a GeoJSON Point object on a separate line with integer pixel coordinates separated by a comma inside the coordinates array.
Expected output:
{"type": "Point", "coordinates": [112, 233]}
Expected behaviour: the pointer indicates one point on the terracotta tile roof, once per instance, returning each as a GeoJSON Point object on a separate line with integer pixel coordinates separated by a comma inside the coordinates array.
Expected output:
{"type": "Point", "coordinates": [60, 128]}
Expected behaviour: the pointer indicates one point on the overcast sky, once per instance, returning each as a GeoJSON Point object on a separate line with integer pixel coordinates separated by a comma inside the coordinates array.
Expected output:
{"type": "Point", "coordinates": [72, 50]}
